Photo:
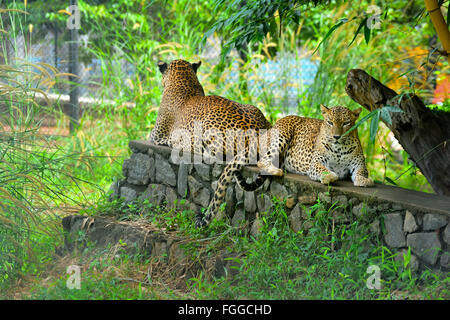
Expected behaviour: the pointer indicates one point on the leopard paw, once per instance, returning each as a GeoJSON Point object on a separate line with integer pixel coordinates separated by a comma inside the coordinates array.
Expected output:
{"type": "Point", "coordinates": [271, 170]}
{"type": "Point", "coordinates": [329, 177]}
{"type": "Point", "coordinates": [361, 181]}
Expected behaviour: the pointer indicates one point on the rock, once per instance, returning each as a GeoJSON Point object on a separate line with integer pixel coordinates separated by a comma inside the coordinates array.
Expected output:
{"type": "Point", "coordinates": [183, 204]}
{"type": "Point", "coordinates": [239, 194]}
{"type": "Point", "coordinates": [266, 185]}
{"type": "Point", "coordinates": [445, 259]}
{"type": "Point", "coordinates": [324, 198]}
{"type": "Point", "coordinates": [217, 170]}
{"type": "Point", "coordinates": [171, 198]}
{"type": "Point", "coordinates": [413, 261]}
{"type": "Point", "coordinates": [176, 253]}
{"type": "Point", "coordinates": [194, 185]}
{"type": "Point", "coordinates": [155, 193]}
{"type": "Point", "coordinates": [394, 237]}
{"type": "Point", "coordinates": [194, 208]}
{"type": "Point", "coordinates": [238, 218]}
{"type": "Point", "coordinates": [433, 221]}
{"type": "Point", "coordinates": [362, 211]}
{"type": "Point", "coordinates": [339, 215]}
{"type": "Point", "coordinates": [296, 219]}
{"type": "Point", "coordinates": [203, 171]}
{"type": "Point", "coordinates": [264, 202]}
{"type": "Point", "coordinates": [278, 191]}
{"type": "Point", "coordinates": [292, 190]}
{"type": "Point", "coordinates": [384, 207]}
{"type": "Point", "coordinates": [114, 190]}
{"type": "Point", "coordinates": [256, 228]}
{"type": "Point", "coordinates": [139, 169]}
{"type": "Point", "coordinates": [353, 202]}
{"type": "Point", "coordinates": [107, 235]}
{"type": "Point", "coordinates": [230, 200]}
{"type": "Point", "coordinates": [249, 201]}
{"type": "Point", "coordinates": [183, 171]}
{"type": "Point", "coordinates": [164, 172]}
{"type": "Point", "coordinates": [214, 185]}
{"type": "Point", "coordinates": [375, 227]}
{"type": "Point", "coordinates": [410, 224]}
{"type": "Point", "coordinates": [227, 265]}
{"type": "Point", "coordinates": [425, 245]}
{"type": "Point", "coordinates": [307, 199]}
{"type": "Point", "coordinates": [290, 202]}
{"type": "Point", "coordinates": [160, 249]}
{"type": "Point", "coordinates": [446, 236]}
{"type": "Point", "coordinates": [128, 194]}
{"type": "Point", "coordinates": [340, 201]}
{"type": "Point", "coordinates": [202, 197]}
{"type": "Point", "coordinates": [307, 224]}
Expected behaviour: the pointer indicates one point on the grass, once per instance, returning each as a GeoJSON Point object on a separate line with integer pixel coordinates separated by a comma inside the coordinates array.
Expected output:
{"type": "Point", "coordinates": [45, 178]}
{"type": "Point", "coordinates": [328, 261]}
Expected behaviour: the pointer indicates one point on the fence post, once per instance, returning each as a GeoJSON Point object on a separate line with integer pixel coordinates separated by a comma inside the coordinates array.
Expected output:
{"type": "Point", "coordinates": [74, 112]}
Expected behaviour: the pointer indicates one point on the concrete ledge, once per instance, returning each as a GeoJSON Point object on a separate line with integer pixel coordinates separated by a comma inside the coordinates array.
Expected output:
{"type": "Point", "coordinates": [408, 199]}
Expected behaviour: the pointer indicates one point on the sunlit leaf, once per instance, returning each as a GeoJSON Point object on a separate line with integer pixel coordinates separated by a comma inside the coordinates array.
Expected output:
{"type": "Point", "coordinates": [367, 33]}
{"type": "Point", "coordinates": [361, 25]}
{"type": "Point", "coordinates": [333, 28]}
{"type": "Point", "coordinates": [390, 180]}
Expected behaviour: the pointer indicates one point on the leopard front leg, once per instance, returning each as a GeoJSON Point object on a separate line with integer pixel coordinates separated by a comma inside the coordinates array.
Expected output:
{"type": "Point", "coordinates": [360, 175]}
{"type": "Point", "coordinates": [279, 142]}
{"type": "Point", "coordinates": [319, 172]}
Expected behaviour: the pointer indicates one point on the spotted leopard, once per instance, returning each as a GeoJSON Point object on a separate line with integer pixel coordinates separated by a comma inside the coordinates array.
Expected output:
{"type": "Point", "coordinates": [190, 121]}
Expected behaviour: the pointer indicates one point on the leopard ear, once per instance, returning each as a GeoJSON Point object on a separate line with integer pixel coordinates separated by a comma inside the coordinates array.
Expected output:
{"type": "Point", "coordinates": [356, 112]}
{"type": "Point", "coordinates": [162, 66]}
{"type": "Point", "coordinates": [324, 109]}
{"type": "Point", "coordinates": [195, 66]}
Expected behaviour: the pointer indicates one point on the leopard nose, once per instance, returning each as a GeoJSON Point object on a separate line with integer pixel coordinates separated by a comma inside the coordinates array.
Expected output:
{"type": "Point", "coordinates": [336, 137]}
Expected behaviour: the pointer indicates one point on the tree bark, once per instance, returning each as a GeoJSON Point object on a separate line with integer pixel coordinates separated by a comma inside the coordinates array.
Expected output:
{"type": "Point", "coordinates": [423, 133]}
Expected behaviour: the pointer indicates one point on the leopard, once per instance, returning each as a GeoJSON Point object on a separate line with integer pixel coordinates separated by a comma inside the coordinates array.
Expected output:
{"type": "Point", "coordinates": [325, 150]}
{"type": "Point", "coordinates": [189, 120]}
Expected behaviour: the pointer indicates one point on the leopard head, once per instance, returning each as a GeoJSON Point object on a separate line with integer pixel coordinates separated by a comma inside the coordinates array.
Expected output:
{"type": "Point", "coordinates": [181, 75]}
{"type": "Point", "coordinates": [337, 121]}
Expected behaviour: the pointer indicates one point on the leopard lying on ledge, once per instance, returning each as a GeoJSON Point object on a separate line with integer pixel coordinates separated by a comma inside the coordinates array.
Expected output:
{"type": "Point", "coordinates": [319, 148]}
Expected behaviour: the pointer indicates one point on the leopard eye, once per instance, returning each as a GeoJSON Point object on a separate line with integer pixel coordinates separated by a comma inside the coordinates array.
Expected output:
{"type": "Point", "coordinates": [346, 123]}
{"type": "Point", "coordinates": [330, 123]}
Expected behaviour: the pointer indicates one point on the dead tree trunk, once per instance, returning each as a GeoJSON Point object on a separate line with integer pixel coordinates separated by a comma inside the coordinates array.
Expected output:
{"type": "Point", "coordinates": [423, 133]}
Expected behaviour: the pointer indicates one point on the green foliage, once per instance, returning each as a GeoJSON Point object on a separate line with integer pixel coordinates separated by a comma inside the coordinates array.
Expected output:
{"type": "Point", "coordinates": [375, 115]}
{"type": "Point", "coordinates": [445, 106]}
{"type": "Point", "coordinates": [329, 261]}
{"type": "Point", "coordinates": [249, 22]}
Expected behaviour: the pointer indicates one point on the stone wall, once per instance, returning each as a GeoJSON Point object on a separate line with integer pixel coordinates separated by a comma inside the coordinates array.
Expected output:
{"type": "Point", "coordinates": [403, 218]}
